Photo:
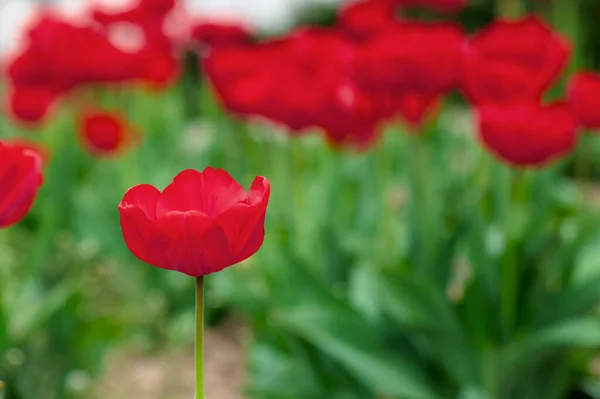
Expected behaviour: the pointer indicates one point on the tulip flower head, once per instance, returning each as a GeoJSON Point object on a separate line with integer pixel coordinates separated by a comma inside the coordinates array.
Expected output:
{"type": "Point", "coordinates": [513, 61]}
{"type": "Point", "coordinates": [20, 178]}
{"type": "Point", "coordinates": [105, 133]}
{"type": "Point", "coordinates": [528, 135]}
{"type": "Point", "coordinates": [201, 223]}
{"type": "Point", "coordinates": [583, 99]}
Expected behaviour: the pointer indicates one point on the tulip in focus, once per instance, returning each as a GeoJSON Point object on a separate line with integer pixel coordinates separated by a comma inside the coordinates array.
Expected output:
{"type": "Point", "coordinates": [201, 223]}
{"type": "Point", "coordinates": [582, 95]}
{"type": "Point", "coordinates": [105, 133]}
{"type": "Point", "coordinates": [20, 178]}
{"type": "Point", "coordinates": [528, 135]}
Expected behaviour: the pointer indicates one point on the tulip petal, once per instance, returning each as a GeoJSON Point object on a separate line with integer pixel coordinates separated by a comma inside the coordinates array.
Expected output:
{"type": "Point", "coordinates": [245, 221]}
{"type": "Point", "coordinates": [144, 237]}
{"type": "Point", "coordinates": [211, 252]}
{"type": "Point", "coordinates": [211, 192]}
{"type": "Point", "coordinates": [197, 246]}
{"type": "Point", "coordinates": [20, 178]}
{"type": "Point", "coordinates": [144, 197]}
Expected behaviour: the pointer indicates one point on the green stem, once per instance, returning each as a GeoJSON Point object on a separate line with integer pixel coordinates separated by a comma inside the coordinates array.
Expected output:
{"type": "Point", "coordinates": [423, 193]}
{"type": "Point", "coordinates": [506, 219]}
{"type": "Point", "coordinates": [200, 337]}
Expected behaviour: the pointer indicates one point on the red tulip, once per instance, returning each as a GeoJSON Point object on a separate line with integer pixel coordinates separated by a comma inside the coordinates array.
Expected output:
{"type": "Point", "coordinates": [30, 103]}
{"type": "Point", "coordinates": [20, 178]}
{"type": "Point", "coordinates": [105, 133]}
{"type": "Point", "coordinates": [310, 62]}
{"type": "Point", "coordinates": [84, 53]}
{"type": "Point", "coordinates": [528, 134]}
{"type": "Point", "coordinates": [352, 118]}
{"type": "Point", "coordinates": [583, 92]}
{"type": "Point", "coordinates": [416, 62]}
{"type": "Point", "coordinates": [513, 61]}
{"type": "Point", "coordinates": [201, 223]}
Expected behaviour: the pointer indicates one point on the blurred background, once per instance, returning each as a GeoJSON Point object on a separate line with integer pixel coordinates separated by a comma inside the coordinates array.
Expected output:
{"type": "Point", "coordinates": [433, 227]}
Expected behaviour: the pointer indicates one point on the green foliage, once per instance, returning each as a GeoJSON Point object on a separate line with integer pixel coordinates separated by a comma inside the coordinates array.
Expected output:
{"type": "Point", "coordinates": [421, 269]}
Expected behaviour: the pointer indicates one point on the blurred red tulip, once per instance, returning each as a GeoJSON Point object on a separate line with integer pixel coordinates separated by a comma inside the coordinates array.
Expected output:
{"type": "Point", "coordinates": [30, 103]}
{"type": "Point", "coordinates": [20, 178]}
{"type": "Point", "coordinates": [318, 91]}
{"type": "Point", "coordinates": [201, 223]}
{"type": "Point", "coordinates": [528, 134]}
{"type": "Point", "coordinates": [83, 53]}
{"type": "Point", "coordinates": [417, 62]}
{"type": "Point", "coordinates": [513, 61]}
{"type": "Point", "coordinates": [308, 62]}
{"type": "Point", "coordinates": [105, 133]}
{"type": "Point", "coordinates": [156, 60]}
{"type": "Point", "coordinates": [352, 118]}
{"type": "Point", "coordinates": [219, 34]}
{"type": "Point", "coordinates": [75, 54]}
{"type": "Point", "coordinates": [365, 19]}
{"type": "Point", "coordinates": [583, 93]}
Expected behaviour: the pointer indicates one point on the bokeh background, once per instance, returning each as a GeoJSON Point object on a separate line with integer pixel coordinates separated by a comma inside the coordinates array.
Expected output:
{"type": "Point", "coordinates": [418, 263]}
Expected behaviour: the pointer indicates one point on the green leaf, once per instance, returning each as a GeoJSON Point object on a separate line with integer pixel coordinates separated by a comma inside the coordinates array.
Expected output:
{"type": "Point", "coordinates": [418, 306]}
{"type": "Point", "coordinates": [581, 298]}
{"type": "Point", "coordinates": [275, 374]}
{"type": "Point", "coordinates": [587, 264]}
{"type": "Point", "coordinates": [351, 341]}
{"type": "Point", "coordinates": [34, 308]}
{"type": "Point", "coordinates": [365, 291]}
{"type": "Point", "coordinates": [583, 332]}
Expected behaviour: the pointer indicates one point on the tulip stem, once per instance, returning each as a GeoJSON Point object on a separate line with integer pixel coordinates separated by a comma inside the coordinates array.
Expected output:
{"type": "Point", "coordinates": [200, 337]}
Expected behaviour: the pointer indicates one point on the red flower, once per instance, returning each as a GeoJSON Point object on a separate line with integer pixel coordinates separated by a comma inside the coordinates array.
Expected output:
{"type": "Point", "coordinates": [295, 85]}
{"type": "Point", "coordinates": [352, 118]}
{"type": "Point", "coordinates": [220, 33]}
{"type": "Point", "coordinates": [105, 133]}
{"type": "Point", "coordinates": [368, 18]}
{"type": "Point", "coordinates": [583, 92]}
{"type": "Point", "coordinates": [305, 83]}
{"type": "Point", "coordinates": [513, 61]}
{"type": "Point", "coordinates": [527, 134]}
{"type": "Point", "coordinates": [417, 62]}
{"type": "Point", "coordinates": [156, 60]}
{"type": "Point", "coordinates": [30, 103]}
{"type": "Point", "coordinates": [201, 223]}
{"type": "Point", "coordinates": [20, 178]}
{"type": "Point", "coordinates": [83, 53]}
{"type": "Point", "coordinates": [71, 55]}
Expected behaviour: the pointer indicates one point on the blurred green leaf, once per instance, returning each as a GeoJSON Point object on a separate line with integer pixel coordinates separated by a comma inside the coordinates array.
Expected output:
{"type": "Point", "coordinates": [355, 344]}
{"type": "Point", "coordinates": [418, 307]}
{"type": "Point", "coordinates": [582, 332]}
{"type": "Point", "coordinates": [581, 298]}
{"type": "Point", "coordinates": [365, 292]}
{"type": "Point", "coordinates": [34, 308]}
